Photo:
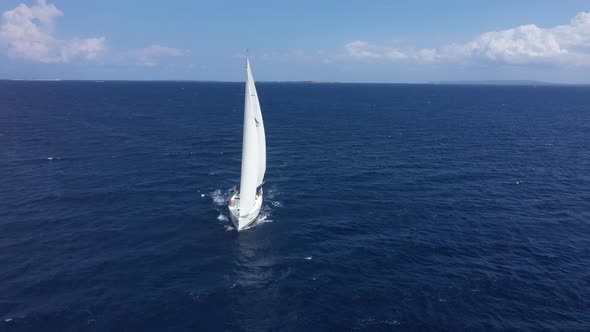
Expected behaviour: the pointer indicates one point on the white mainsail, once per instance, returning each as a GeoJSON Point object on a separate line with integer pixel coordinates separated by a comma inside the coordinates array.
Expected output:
{"type": "Point", "coordinates": [259, 125]}
{"type": "Point", "coordinates": [253, 147]}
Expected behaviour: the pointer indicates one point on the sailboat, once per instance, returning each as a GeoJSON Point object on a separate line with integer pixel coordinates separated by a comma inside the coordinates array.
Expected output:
{"type": "Point", "coordinates": [244, 205]}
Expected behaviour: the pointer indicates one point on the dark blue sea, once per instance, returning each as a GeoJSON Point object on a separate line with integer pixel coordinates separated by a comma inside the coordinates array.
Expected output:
{"type": "Point", "coordinates": [387, 207]}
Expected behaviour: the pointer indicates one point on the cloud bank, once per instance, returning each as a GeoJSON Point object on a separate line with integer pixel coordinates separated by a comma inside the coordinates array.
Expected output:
{"type": "Point", "coordinates": [28, 33]}
{"type": "Point", "coordinates": [567, 44]}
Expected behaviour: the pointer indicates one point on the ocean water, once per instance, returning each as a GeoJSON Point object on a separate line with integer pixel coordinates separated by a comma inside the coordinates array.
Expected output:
{"type": "Point", "coordinates": [387, 207]}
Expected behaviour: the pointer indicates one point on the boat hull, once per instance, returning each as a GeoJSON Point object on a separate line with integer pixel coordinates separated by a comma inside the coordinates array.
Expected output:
{"type": "Point", "coordinates": [241, 222]}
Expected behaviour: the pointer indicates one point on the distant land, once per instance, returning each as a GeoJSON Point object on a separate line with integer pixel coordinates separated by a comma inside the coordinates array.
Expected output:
{"type": "Point", "coordinates": [474, 82]}
{"type": "Point", "coordinates": [498, 82]}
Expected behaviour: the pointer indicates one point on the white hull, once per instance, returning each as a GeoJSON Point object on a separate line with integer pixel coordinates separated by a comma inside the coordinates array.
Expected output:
{"type": "Point", "coordinates": [241, 222]}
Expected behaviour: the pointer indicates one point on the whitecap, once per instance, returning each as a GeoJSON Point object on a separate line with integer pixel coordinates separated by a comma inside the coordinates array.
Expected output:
{"type": "Point", "coordinates": [391, 322]}
{"type": "Point", "coordinates": [308, 258]}
{"type": "Point", "coordinates": [221, 217]}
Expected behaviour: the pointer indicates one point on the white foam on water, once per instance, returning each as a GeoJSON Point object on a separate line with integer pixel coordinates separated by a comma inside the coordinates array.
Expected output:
{"type": "Point", "coordinates": [308, 258]}
{"type": "Point", "coordinates": [372, 322]}
{"type": "Point", "coordinates": [219, 197]}
{"type": "Point", "coordinates": [271, 193]}
{"type": "Point", "coordinates": [263, 218]}
{"type": "Point", "coordinates": [202, 195]}
{"type": "Point", "coordinates": [270, 197]}
{"type": "Point", "coordinates": [391, 322]}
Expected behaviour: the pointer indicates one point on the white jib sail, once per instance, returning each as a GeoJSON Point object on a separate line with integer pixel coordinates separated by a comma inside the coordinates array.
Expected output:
{"type": "Point", "coordinates": [253, 147]}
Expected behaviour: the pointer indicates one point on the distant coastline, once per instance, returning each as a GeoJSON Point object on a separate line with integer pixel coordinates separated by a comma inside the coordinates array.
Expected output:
{"type": "Point", "coordinates": [498, 82]}
{"type": "Point", "coordinates": [473, 82]}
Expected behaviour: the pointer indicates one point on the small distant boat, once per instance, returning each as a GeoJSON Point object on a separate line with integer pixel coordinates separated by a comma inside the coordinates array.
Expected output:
{"type": "Point", "coordinates": [244, 206]}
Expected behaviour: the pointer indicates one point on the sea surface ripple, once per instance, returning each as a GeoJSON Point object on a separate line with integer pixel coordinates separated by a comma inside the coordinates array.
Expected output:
{"type": "Point", "coordinates": [387, 207]}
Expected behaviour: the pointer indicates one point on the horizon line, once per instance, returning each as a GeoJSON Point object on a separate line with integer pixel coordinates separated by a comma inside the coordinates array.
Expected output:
{"type": "Point", "coordinates": [437, 82]}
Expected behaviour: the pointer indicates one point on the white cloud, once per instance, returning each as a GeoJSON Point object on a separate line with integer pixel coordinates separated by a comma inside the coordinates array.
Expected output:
{"type": "Point", "coordinates": [363, 50]}
{"type": "Point", "coordinates": [290, 55]}
{"type": "Point", "coordinates": [149, 56]}
{"type": "Point", "coordinates": [156, 50]}
{"type": "Point", "coordinates": [28, 33]}
{"type": "Point", "coordinates": [526, 44]}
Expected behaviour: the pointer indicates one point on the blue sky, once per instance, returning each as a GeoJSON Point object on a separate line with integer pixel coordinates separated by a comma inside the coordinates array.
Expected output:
{"type": "Point", "coordinates": [348, 41]}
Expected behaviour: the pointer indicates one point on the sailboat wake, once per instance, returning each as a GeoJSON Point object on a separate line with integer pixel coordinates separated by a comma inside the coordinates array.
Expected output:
{"type": "Point", "coordinates": [220, 197]}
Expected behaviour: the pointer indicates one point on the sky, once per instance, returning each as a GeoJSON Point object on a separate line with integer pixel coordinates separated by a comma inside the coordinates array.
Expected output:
{"type": "Point", "coordinates": [345, 41]}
